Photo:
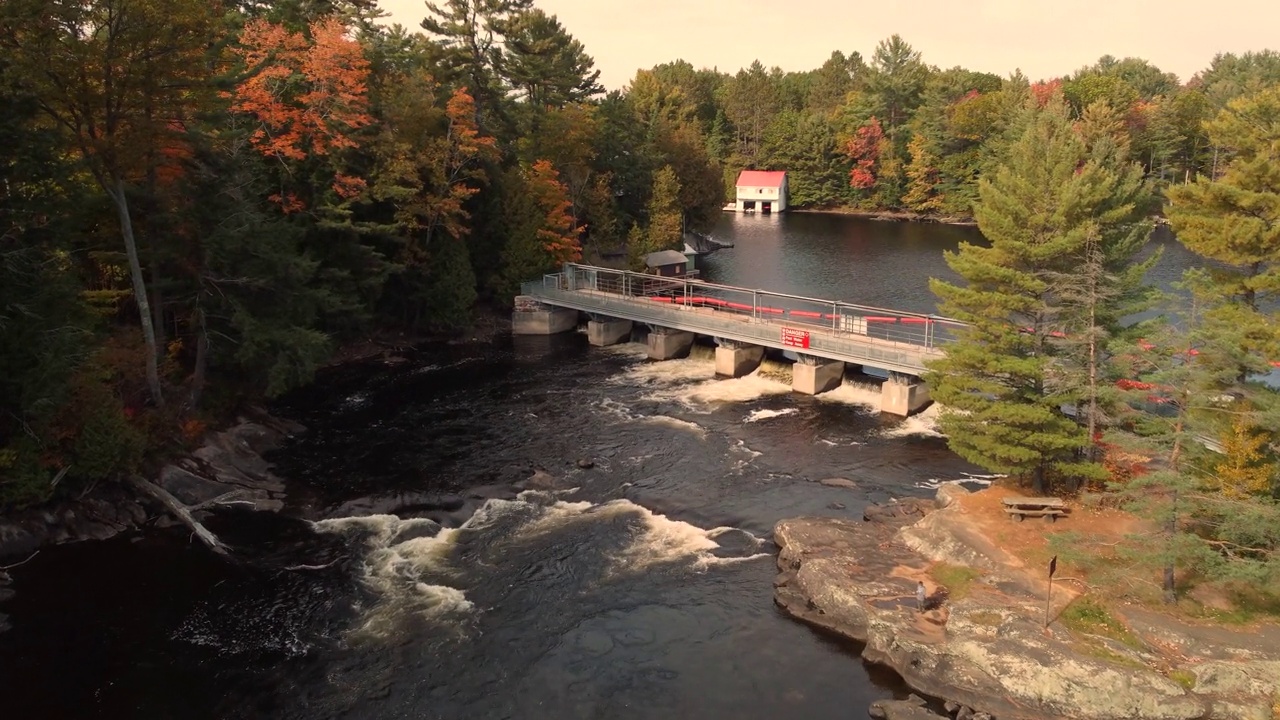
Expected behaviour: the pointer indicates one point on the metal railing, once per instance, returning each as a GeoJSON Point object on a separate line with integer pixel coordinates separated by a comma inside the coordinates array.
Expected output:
{"type": "Point", "coordinates": [758, 306]}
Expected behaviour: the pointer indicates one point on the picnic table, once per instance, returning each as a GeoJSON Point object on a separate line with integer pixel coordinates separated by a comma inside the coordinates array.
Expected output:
{"type": "Point", "coordinates": [1049, 508]}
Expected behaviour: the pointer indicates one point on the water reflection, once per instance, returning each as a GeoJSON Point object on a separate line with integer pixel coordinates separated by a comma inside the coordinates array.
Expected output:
{"type": "Point", "coordinates": [870, 262]}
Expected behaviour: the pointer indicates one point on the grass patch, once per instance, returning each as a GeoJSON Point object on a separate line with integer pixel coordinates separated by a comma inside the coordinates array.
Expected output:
{"type": "Point", "coordinates": [957, 579]}
{"type": "Point", "coordinates": [1228, 603]}
{"type": "Point", "coordinates": [1105, 653]}
{"type": "Point", "coordinates": [1185, 678]}
{"type": "Point", "coordinates": [1091, 617]}
{"type": "Point", "coordinates": [1199, 611]}
{"type": "Point", "coordinates": [986, 617]}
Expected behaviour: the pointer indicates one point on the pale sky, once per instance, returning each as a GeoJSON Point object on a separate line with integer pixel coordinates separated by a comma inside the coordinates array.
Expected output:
{"type": "Point", "coordinates": [1044, 38]}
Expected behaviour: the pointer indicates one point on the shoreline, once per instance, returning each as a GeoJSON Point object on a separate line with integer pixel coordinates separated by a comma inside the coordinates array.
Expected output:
{"type": "Point", "coordinates": [891, 216]}
{"type": "Point", "coordinates": [983, 639]}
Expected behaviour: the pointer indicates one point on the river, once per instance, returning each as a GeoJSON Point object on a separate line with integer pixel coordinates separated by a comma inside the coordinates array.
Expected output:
{"type": "Point", "coordinates": [639, 588]}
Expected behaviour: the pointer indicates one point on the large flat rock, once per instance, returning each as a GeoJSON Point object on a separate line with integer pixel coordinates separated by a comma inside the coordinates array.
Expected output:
{"type": "Point", "coordinates": [990, 650]}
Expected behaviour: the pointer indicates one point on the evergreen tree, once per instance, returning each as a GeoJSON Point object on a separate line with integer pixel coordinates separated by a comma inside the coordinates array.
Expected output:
{"type": "Point", "coordinates": [1215, 519]}
{"type": "Point", "coordinates": [1234, 221]}
{"type": "Point", "coordinates": [664, 230]}
{"type": "Point", "coordinates": [805, 145]}
{"type": "Point", "coordinates": [467, 38]}
{"type": "Point", "coordinates": [1040, 212]}
{"type": "Point", "coordinates": [545, 63]}
{"type": "Point", "coordinates": [540, 229]}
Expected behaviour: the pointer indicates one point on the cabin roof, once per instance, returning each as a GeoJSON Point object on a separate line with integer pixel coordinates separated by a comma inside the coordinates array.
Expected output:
{"type": "Point", "coordinates": [665, 257]}
{"type": "Point", "coordinates": [761, 178]}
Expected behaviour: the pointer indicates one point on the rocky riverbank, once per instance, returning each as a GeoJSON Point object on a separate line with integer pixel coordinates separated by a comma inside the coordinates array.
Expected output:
{"type": "Point", "coordinates": [988, 650]}
{"type": "Point", "coordinates": [228, 469]}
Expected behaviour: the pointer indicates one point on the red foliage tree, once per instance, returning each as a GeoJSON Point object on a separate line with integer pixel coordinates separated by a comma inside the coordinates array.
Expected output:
{"type": "Point", "coordinates": [1045, 89]}
{"type": "Point", "coordinates": [864, 150]}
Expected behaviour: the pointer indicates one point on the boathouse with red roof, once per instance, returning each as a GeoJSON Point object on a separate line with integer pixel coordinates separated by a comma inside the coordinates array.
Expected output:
{"type": "Point", "coordinates": [763, 191]}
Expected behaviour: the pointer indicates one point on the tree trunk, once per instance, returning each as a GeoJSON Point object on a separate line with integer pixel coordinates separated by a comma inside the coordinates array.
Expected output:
{"type": "Point", "coordinates": [202, 358]}
{"type": "Point", "coordinates": [1170, 589]}
{"type": "Point", "coordinates": [1093, 380]}
{"type": "Point", "coordinates": [179, 511]}
{"type": "Point", "coordinates": [139, 291]}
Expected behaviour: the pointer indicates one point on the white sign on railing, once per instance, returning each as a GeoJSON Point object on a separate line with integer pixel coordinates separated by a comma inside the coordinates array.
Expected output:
{"type": "Point", "coordinates": [853, 324]}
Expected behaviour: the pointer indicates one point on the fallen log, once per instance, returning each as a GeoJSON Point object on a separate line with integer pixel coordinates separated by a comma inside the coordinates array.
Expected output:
{"type": "Point", "coordinates": [179, 511]}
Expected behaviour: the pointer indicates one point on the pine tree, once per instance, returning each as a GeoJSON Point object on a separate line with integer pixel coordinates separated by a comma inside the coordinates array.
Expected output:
{"type": "Point", "coordinates": [1235, 221]}
{"type": "Point", "coordinates": [664, 230]}
{"type": "Point", "coordinates": [1041, 211]}
{"type": "Point", "coordinates": [545, 63]}
{"type": "Point", "coordinates": [1211, 522]}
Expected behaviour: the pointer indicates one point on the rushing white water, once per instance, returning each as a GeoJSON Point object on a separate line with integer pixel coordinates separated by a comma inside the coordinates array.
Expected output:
{"type": "Point", "coordinates": [970, 479]}
{"type": "Point", "coordinates": [692, 384]}
{"type": "Point", "coordinates": [409, 575]}
{"type": "Point", "coordinates": [624, 412]}
{"type": "Point", "coordinates": [758, 415]}
{"type": "Point", "coordinates": [923, 424]}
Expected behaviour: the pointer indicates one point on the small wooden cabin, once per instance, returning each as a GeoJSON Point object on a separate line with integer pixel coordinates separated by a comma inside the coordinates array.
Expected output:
{"type": "Point", "coordinates": [666, 263]}
{"type": "Point", "coordinates": [764, 191]}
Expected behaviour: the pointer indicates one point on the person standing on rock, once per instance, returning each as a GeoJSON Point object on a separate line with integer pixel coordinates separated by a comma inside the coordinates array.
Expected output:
{"type": "Point", "coordinates": [920, 596]}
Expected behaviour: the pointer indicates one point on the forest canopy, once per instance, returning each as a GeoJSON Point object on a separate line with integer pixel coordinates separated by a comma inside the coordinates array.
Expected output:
{"type": "Point", "coordinates": [204, 199]}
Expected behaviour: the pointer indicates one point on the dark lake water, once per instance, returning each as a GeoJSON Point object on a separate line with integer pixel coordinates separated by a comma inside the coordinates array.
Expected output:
{"type": "Point", "coordinates": [640, 588]}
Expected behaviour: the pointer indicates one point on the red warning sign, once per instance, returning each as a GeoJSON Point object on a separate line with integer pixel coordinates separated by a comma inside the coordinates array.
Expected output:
{"type": "Point", "coordinates": [795, 338]}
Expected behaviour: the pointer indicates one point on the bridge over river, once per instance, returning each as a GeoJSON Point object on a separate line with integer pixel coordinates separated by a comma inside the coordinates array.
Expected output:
{"type": "Point", "coordinates": [827, 337]}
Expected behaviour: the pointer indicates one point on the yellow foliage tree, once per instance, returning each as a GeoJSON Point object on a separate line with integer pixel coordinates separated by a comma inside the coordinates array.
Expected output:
{"type": "Point", "coordinates": [1243, 471]}
{"type": "Point", "coordinates": [922, 177]}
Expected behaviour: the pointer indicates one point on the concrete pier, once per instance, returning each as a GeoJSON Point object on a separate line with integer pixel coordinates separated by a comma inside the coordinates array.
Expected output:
{"type": "Point", "coordinates": [668, 344]}
{"type": "Point", "coordinates": [737, 359]}
{"type": "Point", "coordinates": [607, 331]}
{"type": "Point", "coordinates": [811, 375]}
{"type": "Point", "coordinates": [903, 394]}
{"type": "Point", "coordinates": [531, 317]}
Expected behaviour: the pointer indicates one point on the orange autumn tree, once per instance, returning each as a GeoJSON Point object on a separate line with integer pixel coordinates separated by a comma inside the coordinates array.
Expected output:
{"type": "Point", "coordinates": [539, 226]}
{"type": "Point", "coordinates": [558, 234]}
{"type": "Point", "coordinates": [307, 95]}
{"type": "Point", "coordinates": [430, 161]}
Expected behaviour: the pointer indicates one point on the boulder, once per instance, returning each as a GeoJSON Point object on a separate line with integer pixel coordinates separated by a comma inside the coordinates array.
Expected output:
{"type": "Point", "coordinates": [949, 493]}
{"type": "Point", "coordinates": [541, 480]}
{"type": "Point", "coordinates": [910, 709]}
{"type": "Point", "coordinates": [18, 538]}
{"type": "Point", "coordinates": [188, 487]}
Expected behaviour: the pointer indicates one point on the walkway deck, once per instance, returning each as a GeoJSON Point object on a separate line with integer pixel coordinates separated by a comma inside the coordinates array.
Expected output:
{"type": "Point", "coordinates": [891, 340]}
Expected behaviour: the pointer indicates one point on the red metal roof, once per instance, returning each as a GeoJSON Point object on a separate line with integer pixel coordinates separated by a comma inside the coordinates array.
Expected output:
{"type": "Point", "coordinates": [761, 178]}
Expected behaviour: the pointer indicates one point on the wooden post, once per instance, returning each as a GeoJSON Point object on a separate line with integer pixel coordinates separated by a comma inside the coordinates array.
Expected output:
{"type": "Point", "coordinates": [1048, 598]}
